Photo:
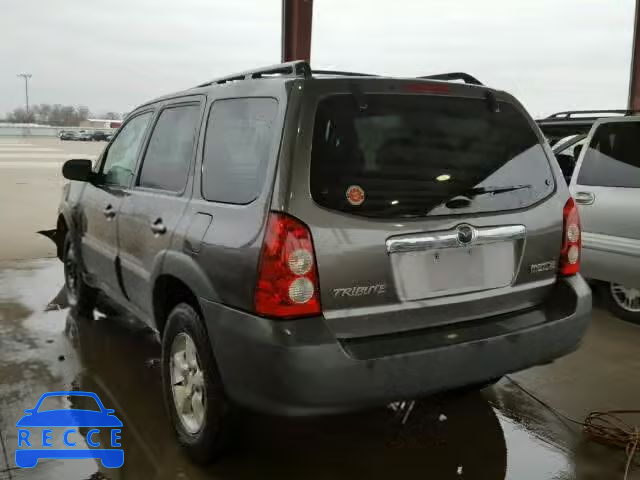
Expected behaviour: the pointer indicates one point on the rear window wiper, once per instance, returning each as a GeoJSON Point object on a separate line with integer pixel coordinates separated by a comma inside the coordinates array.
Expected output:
{"type": "Point", "coordinates": [493, 190]}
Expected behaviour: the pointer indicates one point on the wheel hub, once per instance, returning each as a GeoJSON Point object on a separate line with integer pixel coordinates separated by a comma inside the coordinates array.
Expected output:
{"type": "Point", "coordinates": [187, 383]}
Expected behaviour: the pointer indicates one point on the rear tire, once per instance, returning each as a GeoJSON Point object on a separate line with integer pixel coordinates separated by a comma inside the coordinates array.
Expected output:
{"type": "Point", "coordinates": [623, 302]}
{"type": "Point", "coordinates": [197, 404]}
{"type": "Point", "coordinates": [80, 296]}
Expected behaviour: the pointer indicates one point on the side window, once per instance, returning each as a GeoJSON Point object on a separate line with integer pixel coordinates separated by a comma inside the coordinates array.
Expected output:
{"type": "Point", "coordinates": [168, 157]}
{"type": "Point", "coordinates": [613, 157]}
{"type": "Point", "coordinates": [240, 136]}
{"type": "Point", "coordinates": [117, 168]}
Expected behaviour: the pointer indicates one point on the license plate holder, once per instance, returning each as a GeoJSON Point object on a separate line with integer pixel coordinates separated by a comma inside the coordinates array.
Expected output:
{"type": "Point", "coordinates": [449, 271]}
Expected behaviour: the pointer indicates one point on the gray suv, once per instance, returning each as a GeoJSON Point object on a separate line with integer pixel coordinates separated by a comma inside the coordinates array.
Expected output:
{"type": "Point", "coordinates": [316, 242]}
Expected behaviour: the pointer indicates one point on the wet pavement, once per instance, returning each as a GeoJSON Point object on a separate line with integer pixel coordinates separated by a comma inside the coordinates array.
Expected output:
{"type": "Point", "coordinates": [498, 433]}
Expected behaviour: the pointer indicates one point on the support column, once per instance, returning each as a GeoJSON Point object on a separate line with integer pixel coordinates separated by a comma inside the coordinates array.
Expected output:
{"type": "Point", "coordinates": [634, 82]}
{"type": "Point", "coordinates": [296, 29]}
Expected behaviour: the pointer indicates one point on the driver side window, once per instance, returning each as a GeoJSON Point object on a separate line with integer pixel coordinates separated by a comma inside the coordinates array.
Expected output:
{"type": "Point", "coordinates": [118, 167]}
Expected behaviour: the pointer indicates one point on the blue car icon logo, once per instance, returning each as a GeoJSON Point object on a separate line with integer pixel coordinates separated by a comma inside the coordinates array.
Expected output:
{"type": "Point", "coordinates": [35, 434]}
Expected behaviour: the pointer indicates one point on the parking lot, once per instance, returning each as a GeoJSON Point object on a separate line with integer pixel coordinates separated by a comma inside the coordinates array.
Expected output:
{"type": "Point", "coordinates": [499, 432]}
{"type": "Point", "coordinates": [30, 169]}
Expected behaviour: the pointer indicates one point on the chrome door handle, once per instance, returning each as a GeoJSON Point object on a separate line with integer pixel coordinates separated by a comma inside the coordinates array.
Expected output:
{"type": "Point", "coordinates": [109, 212]}
{"type": "Point", "coordinates": [158, 228]}
{"type": "Point", "coordinates": [585, 198]}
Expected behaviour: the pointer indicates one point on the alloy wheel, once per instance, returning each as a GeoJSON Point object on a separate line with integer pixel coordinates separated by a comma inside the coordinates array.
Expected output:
{"type": "Point", "coordinates": [187, 383]}
{"type": "Point", "coordinates": [626, 298]}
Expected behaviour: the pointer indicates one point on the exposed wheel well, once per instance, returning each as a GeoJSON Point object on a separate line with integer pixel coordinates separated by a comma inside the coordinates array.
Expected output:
{"type": "Point", "coordinates": [169, 291]}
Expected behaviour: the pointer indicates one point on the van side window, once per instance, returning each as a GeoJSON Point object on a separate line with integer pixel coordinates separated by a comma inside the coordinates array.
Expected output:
{"type": "Point", "coordinates": [613, 157]}
{"type": "Point", "coordinates": [168, 157]}
{"type": "Point", "coordinates": [239, 140]}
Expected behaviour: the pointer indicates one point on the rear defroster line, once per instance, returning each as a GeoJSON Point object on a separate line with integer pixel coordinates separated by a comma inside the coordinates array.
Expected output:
{"type": "Point", "coordinates": [607, 427]}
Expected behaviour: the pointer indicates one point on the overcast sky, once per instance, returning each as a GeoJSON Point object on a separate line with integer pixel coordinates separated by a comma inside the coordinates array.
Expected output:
{"type": "Point", "coordinates": [552, 54]}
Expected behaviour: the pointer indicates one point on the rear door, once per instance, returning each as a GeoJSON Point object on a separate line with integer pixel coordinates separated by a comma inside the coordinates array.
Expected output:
{"type": "Point", "coordinates": [102, 198]}
{"type": "Point", "coordinates": [162, 188]}
{"type": "Point", "coordinates": [606, 187]}
{"type": "Point", "coordinates": [426, 209]}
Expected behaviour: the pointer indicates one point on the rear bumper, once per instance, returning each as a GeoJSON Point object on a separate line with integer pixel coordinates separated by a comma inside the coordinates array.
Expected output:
{"type": "Point", "coordinates": [299, 368]}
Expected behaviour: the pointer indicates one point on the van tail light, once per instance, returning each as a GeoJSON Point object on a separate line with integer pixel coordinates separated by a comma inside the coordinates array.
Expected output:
{"type": "Point", "coordinates": [287, 285]}
{"type": "Point", "coordinates": [571, 240]}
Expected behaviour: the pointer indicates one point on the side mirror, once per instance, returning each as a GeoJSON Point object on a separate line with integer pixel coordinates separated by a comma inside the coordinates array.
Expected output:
{"type": "Point", "coordinates": [79, 170]}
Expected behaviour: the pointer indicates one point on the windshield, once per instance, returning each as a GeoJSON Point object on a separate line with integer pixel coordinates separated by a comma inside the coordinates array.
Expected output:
{"type": "Point", "coordinates": [416, 155]}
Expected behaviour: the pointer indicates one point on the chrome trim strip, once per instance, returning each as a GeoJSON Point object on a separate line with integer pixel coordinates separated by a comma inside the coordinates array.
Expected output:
{"type": "Point", "coordinates": [449, 238]}
{"type": "Point", "coordinates": [611, 244]}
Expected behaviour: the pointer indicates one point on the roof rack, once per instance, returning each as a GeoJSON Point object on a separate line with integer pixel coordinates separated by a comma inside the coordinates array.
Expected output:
{"type": "Point", "coordinates": [343, 74]}
{"type": "Point", "coordinates": [465, 77]}
{"type": "Point", "coordinates": [568, 114]}
{"type": "Point", "coordinates": [302, 69]}
{"type": "Point", "coordinates": [299, 68]}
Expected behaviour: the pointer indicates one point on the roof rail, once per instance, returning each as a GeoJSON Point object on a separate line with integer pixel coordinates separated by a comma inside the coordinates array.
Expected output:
{"type": "Point", "coordinates": [568, 114]}
{"type": "Point", "coordinates": [298, 68]}
{"type": "Point", "coordinates": [343, 74]}
{"type": "Point", "coordinates": [302, 69]}
{"type": "Point", "coordinates": [465, 77]}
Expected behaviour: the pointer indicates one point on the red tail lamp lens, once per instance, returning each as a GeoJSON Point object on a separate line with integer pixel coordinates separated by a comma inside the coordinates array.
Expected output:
{"type": "Point", "coordinates": [571, 240]}
{"type": "Point", "coordinates": [287, 285]}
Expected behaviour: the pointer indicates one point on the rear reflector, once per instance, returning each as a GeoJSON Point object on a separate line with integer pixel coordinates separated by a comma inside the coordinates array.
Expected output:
{"type": "Point", "coordinates": [571, 240]}
{"type": "Point", "coordinates": [287, 285]}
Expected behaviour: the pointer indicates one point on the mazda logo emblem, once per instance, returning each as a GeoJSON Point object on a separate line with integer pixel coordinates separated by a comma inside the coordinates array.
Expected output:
{"type": "Point", "coordinates": [466, 234]}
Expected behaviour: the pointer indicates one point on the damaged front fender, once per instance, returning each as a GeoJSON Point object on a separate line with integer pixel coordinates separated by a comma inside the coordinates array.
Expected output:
{"type": "Point", "coordinates": [57, 237]}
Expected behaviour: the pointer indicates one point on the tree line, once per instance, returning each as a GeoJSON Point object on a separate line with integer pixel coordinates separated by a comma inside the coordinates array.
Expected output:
{"type": "Point", "coordinates": [56, 115]}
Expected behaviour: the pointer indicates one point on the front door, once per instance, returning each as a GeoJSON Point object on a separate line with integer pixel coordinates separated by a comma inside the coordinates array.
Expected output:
{"type": "Point", "coordinates": [606, 187]}
{"type": "Point", "coordinates": [151, 211]}
{"type": "Point", "coordinates": [102, 199]}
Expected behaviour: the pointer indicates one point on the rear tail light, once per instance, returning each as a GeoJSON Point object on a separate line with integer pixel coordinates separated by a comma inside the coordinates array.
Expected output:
{"type": "Point", "coordinates": [571, 240]}
{"type": "Point", "coordinates": [287, 285]}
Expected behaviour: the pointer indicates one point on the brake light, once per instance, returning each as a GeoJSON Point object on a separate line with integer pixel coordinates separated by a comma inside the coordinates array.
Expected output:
{"type": "Point", "coordinates": [287, 285]}
{"type": "Point", "coordinates": [427, 88]}
{"type": "Point", "coordinates": [571, 240]}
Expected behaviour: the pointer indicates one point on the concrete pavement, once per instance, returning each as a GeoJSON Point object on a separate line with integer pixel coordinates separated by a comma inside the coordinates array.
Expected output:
{"type": "Point", "coordinates": [30, 185]}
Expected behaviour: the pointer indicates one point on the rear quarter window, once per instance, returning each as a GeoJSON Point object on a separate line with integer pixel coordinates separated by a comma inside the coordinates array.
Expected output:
{"type": "Point", "coordinates": [613, 156]}
{"type": "Point", "coordinates": [239, 140]}
{"type": "Point", "coordinates": [422, 155]}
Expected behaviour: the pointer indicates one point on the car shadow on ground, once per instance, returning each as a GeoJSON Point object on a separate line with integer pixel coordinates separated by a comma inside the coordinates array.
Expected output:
{"type": "Point", "coordinates": [442, 437]}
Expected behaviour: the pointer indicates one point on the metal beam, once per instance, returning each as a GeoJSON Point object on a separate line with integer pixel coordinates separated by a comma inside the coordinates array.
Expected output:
{"type": "Point", "coordinates": [296, 29]}
{"type": "Point", "coordinates": [634, 82]}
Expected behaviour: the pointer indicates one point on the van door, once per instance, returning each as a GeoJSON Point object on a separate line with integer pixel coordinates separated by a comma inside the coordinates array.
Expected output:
{"type": "Point", "coordinates": [606, 187]}
{"type": "Point", "coordinates": [152, 209]}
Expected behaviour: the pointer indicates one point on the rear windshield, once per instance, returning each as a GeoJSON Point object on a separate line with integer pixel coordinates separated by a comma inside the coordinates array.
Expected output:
{"type": "Point", "coordinates": [397, 156]}
{"type": "Point", "coordinates": [612, 158]}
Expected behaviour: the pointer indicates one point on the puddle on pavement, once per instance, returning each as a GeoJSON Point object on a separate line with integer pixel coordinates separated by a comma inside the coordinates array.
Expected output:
{"type": "Point", "coordinates": [111, 354]}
